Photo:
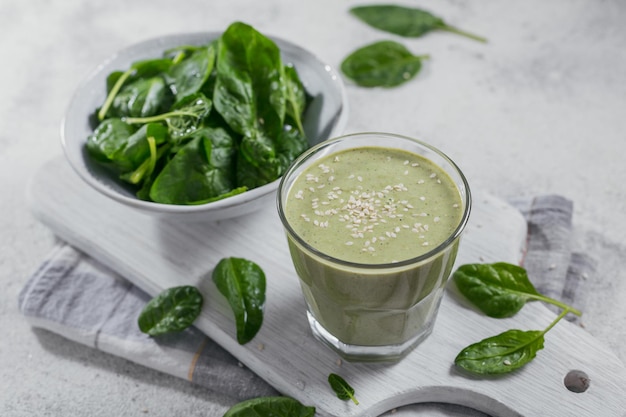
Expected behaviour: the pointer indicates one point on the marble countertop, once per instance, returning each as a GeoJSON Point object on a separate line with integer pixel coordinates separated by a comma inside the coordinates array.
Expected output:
{"type": "Point", "coordinates": [540, 109]}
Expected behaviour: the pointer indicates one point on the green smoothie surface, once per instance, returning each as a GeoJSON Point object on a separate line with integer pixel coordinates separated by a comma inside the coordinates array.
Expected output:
{"type": "Point", "coordinates": [374, 205]}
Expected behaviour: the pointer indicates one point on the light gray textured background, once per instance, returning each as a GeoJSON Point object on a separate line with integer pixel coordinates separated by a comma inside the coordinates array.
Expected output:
{"type": "Point", "coordinates": [540, 109]}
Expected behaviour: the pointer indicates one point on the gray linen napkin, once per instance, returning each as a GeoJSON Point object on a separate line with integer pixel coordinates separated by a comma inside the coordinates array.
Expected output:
{"type": "Point", "coordinates": [81, 299]}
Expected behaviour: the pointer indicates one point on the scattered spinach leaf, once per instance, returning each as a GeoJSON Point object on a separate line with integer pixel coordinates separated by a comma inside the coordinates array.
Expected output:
{"type": "Point", "coordinates": [270, 407]}
{"type": "Point", "coordinates": [173, 310]}
{"type": "Point", "coordinates": [343, 390]}
{"type": "Point", "coordinates": [500, 289]}
{"type": "Point", "coordinates": [382, 64]}
{"type": "Point", "coordinates": [406, 21]}
{"type": "Point", "coordinates": [505, 352]}
{"type": "Point", "coordinates": [502, 353]}
{"type": "Point", "coordinates": [242, 282]}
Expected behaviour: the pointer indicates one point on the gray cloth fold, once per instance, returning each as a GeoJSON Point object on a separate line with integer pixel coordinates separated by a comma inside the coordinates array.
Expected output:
{"type": "Point", "coordinates": [83, 300]}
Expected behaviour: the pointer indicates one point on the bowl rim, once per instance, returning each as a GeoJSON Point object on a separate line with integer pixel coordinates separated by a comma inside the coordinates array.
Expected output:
{"type": "Point", "coordinates": [80, 166]}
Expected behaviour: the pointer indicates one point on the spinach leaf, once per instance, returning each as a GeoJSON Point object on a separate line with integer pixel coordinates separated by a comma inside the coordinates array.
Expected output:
{"type": "Point", "coordinates": [242, 282]}
{"type": "Point", "coordinates": [499, 290]}
{"type": "Point", "coordinates": [249, 86]}
{"type": "Point", "coordinates": [116, 144]}
{"type": "Point", "coordinates": [505, 352]}
{"type": "Point", "coordinates": [382, 64]}
{"type": "Point", "coordinates": [202, 170]}
{"type": "Point", "coordinates": [108, 140]}
{"type": "Point", "coordinates": [173, 310]}
{"type": "Point", "coordinates": [270, 407]}
{"type": "Point", "coordinates": [140, 69]}
{"type": "Point", "coordinates": [289, 144]}
{"type": "Point", "coordinates": [502, 353]}
{"type": "Point", "coordinates": [343, 390]}
{"type": "Point", "coordinates": [183, 119]}
{"type": "Point", "coordinates": [152, 134]}
{"type": "Point", "coordinates": [189, 75]}
{"type": "Point", "coordinates": [296, 96]}
{"type": "Point", "coordinates": [406, 21]}
{"type": "Point", "coordinates": [257, 162]}
{"type": "Point", "coordinates": [178, 53]}
{"type": "Point", "coordinates": [141, 98]}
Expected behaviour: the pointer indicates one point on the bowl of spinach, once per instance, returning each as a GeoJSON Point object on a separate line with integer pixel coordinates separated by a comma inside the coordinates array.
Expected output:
{"type": "Point", "coordinates": [200, 126]}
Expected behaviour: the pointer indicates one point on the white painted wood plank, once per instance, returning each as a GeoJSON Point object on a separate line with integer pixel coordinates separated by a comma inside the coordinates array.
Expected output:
{"type": "Point", "coordinates": [155, 254]}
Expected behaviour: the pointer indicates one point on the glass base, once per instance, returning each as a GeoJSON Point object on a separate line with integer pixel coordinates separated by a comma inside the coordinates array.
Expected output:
{"type": "Point", "coordinates": [359, 353]}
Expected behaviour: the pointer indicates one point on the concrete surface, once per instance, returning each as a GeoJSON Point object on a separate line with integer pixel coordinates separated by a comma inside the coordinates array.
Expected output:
{"type": "Point", "coordinates": [539, 109]}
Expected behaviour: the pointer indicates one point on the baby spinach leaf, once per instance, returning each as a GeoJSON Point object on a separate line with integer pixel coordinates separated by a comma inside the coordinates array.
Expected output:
{"type": "Point", "coordinates": [173, 310]}
{"type": "Point", "coordinates": [257, 162]}
{"type": "Point", "coordinates": [140, 69]}
{"type": "Point", "coordinates": [141, 98]}
{"type": "Point", "coordinates": [406, 21]}
{"type": "Point", "coordinates": [108, 140]}
{"type": "Point", "coordinates": [202, 170]}
{"type": "Point", "coordinates": [270, 407]}
{"type": "Point", "coordinates": [502, 353]}
{"type": "Point", "coordinates": [242, 282]}
{"type": "Point", "coordinates": [382, 64]}
{"type": "Point", "coordinates": [289, 144]}
{"type": "Point", "coordinates": [505, 352]}
{"type": "Point", "coordinates": [249, 86]}
{"type": "Point", "coordinates": [152, 135]}
{"type": "Point", "coordinates": [343, 390]}
{"type": "Point", "coordinates": [500, 289]}
{"type": "Point", "coordinates": [189, 75]}
{"type": "Point", "coordinates": [296, 96]}
{"type": "Point", "coordinates": [183, 119]}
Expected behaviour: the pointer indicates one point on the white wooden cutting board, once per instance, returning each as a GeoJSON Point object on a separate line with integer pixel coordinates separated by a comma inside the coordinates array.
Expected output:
{"type": "Point", "coordinates": [156, 254]}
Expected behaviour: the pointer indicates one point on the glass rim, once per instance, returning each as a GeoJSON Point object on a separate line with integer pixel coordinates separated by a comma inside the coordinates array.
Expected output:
{"type": "Point", "coordinates": [312, 151]}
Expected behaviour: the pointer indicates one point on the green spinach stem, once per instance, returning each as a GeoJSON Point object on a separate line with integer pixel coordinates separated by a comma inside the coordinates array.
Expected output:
{"type": "Point", "coordinates": [160, 117]}
{"type": "Point", "coordinates": [116, 88]}
{"type": "Point", "coordinates": [565, 307]}
{"type": "Point", "coordinates": [452, 29]}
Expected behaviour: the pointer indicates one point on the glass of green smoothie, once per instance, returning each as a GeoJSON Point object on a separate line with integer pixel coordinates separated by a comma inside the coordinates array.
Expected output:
{"type": "Point", "coordinates": [373, 223]}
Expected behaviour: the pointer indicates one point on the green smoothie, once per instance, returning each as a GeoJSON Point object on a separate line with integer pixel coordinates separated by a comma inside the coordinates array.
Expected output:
{"type": "Point", "coordinates": [374, 205]}
{"type": "Point", "coordinates": [368, 213]}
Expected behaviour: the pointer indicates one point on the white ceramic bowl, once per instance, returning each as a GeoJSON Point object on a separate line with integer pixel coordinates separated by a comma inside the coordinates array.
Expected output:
{"type": "Point", "coordinates": [325, 118]}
